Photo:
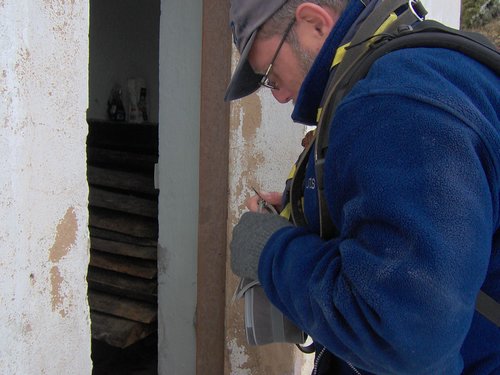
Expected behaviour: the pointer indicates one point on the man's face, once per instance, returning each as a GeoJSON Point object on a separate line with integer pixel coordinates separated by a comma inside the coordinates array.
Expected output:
{"type": "Point", "coordinates": [311, 26]}
{"type": "Point", "coordinates": [290, 66]}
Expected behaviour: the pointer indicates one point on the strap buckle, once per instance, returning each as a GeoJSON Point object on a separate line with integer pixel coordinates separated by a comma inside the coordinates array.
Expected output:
{"type": "Point", "coordinates": [418, 7]}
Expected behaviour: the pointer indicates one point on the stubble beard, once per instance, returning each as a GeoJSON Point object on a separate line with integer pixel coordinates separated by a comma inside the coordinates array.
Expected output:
{"type": "Point", "coordinates": [306, 58]}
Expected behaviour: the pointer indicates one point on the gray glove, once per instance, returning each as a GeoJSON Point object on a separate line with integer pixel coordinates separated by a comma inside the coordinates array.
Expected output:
{"type": "Point", "coordinates": [249, 238]}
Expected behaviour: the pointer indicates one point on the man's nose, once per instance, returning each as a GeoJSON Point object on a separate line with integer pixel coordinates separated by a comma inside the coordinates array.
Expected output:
{"type": "Point", "coordinates": [282, 96]}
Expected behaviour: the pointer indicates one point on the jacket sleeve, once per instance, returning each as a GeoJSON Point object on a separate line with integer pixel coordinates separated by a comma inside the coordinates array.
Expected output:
{"type": "Point", "coordinates": [411, 194]}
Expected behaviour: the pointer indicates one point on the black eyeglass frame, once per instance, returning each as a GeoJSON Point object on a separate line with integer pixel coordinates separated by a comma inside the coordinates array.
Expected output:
{"type": "Point", "coordinates": [264, 81]}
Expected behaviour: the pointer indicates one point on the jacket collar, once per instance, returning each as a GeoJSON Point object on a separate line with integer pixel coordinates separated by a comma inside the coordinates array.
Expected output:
{"type": "Point", "coordinates": [311, 91]}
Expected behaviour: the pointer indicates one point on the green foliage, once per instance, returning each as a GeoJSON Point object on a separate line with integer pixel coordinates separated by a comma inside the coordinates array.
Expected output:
{"type": "Point", "coordinates": [477, 13]}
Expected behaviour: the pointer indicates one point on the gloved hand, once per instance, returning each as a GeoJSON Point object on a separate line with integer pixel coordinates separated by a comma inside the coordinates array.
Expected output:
{"type": "Point", "coordinates": [249, 238]}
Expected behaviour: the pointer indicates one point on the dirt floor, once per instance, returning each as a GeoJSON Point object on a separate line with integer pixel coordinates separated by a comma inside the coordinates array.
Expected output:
{"type": "Point", "coordinates": [138, 359]}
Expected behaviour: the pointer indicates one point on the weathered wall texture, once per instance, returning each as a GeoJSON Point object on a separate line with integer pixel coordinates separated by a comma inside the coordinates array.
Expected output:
{"type": "Point", "coordinates": [44, 318]}
{"type": "Point", "coordinates": [258, 126]}
{"type": "Point", "coordinates": [263, 144]}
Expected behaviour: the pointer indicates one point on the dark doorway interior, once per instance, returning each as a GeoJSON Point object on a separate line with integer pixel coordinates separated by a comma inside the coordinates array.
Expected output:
{"type": "Point", "coordinates": [123, 225]}
{"type": "Point", "coordinates": [122, 150]}
{"type": "Point", "coordinates": [138, 359]}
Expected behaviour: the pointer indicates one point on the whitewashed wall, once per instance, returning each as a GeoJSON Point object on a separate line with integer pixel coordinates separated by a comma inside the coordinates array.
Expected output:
{"type": "Point", "coordinates": [44, 316]}
{"type": "Point", "coordinates": [445, 11]}
{"type": "Point", "coordinates": [264, 143]}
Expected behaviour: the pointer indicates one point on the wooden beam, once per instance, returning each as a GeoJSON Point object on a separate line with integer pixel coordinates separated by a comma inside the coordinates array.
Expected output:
{"type": "Point", "coordinates": [133, 225]}
{"type": "Point", "coordinates": [123, 202]}
{"type": "Point", "coordinates": [123, 159]}
{"type": "Point", "coordinates": [213, 207]}
{"type": "Point", "coordinates": [121, 180]}
{"type": "Point", "coordinates": [129, 266]}
{"type": "Point", "coordinates": [122, 307]}
{"type": "Point", "coordinates": [122, 284]}
{"type": "Point", "coordinates": [122, 237]}
{"type": "Point", "coordinates": [118, 332]}
{"type": "Point", "coordinates": [125, 249]}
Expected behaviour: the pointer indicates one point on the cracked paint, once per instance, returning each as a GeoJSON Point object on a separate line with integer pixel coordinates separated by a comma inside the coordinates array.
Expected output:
{"type": "Point", "coordinates": [57, 299]}
{"type": "Point", "coordinates": [44, 192]}
{"type": "Point", "coordinates": [246, 156]}
{"type": "Point", "coordinates": [238, 358]}
{"type": "Point", "coordinates": [61, 12]}
{"type": "Point", "coordinates": [65, 236]}
{"type": "Point", "coordinates": [264, 143]}
{"type": "Point", "coordinates": [65, 239]}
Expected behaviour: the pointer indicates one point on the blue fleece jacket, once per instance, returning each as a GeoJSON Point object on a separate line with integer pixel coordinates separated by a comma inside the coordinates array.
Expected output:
{"type": "Point", "coordinates": [412, 182]}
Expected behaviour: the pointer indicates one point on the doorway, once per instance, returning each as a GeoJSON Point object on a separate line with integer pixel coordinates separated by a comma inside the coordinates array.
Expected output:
{"type": "Point", "coordinates": [122, 151]}
{"type": "Point", "coordinates": [192, 172]}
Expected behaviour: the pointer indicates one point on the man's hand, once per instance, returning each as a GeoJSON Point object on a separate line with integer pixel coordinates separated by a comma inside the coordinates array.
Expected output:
{"type": "Point", "coordinates": [273, 198]}
{"type": "Point", "coordinates": [250, 236]}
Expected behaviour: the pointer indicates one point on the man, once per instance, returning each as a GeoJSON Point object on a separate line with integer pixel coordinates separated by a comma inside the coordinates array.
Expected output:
{"type": "Point", "coordinates": [411, 184]}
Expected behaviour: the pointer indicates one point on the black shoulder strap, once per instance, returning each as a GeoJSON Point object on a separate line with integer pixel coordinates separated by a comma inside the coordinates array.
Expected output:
{"type": "Point", "coordinates": [425, 34]}
{"type": "Point", "coordinates": [429, 34]}
{"type": "Point", "coordinates": [488, 307]}
{"type": "Point", "coordinates": [382, 21]}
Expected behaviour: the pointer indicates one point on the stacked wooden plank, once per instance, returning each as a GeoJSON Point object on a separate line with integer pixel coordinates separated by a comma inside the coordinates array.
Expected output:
{"type": "Point", "coordinates": [123, 224]}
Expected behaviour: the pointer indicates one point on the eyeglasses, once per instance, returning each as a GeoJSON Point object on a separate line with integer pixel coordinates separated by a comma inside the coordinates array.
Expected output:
{"type": "Point", "coordinates": [265, 81]}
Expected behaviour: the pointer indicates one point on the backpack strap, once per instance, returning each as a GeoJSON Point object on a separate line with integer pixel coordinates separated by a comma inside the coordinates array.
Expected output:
{"type": "Point", "coordinates": [387, 16]}
{"type": "Point", "coordinates": [296, 189]}
{"type": "Point", "coordinates": [488, 307]}
{"type": "Point", "coordinates": [384, 18]}
{"type": "Point", "coordinates": [426, 34]}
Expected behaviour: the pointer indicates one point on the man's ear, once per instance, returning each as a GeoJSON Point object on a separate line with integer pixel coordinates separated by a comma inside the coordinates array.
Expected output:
{"type": "Point", "coordinates": [314, 22]}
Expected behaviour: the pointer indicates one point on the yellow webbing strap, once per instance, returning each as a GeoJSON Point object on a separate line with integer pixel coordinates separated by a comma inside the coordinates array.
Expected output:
{"type": "Point", "coordinates": [392, 17]}
{"type": "Point", "coordinates": [318, 115]}
{"type": "Point", "coordinates": [341, 51]}
{"type": "Point", "coordinates": [286, 212]}
{"type": "Point", "coordinates": [339, 55]}
{"type": "Point", "coordinates": [292, 172]}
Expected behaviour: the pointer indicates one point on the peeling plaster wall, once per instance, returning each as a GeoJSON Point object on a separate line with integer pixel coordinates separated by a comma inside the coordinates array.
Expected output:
{"type": "Point", "coordinates": [264, 143]}
{"type": "Point", "coordinates": [258, 125]}
{"type": "Point", "coordinates": [44, 315]}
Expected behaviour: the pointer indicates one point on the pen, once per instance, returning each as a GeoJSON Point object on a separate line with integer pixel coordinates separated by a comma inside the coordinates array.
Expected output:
{"type": "Point", "coordinates": [263, 205]}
